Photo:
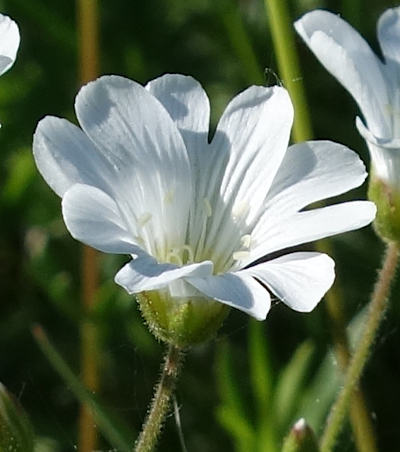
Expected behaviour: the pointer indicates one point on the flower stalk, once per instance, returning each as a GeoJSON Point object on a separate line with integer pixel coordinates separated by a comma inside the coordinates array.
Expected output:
{"type": "Point", "coordinates": [161, 401]}
{"type": "Point", "coordinates": [378, 305]}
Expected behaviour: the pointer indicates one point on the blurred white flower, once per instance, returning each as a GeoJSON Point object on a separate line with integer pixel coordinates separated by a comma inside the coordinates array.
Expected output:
{"type": "Point", "coordinates": [140, 177]}
{"type": "Point", "coordinates": [9, 43]}
{"type": "Point", "coordinates": [374, 84]}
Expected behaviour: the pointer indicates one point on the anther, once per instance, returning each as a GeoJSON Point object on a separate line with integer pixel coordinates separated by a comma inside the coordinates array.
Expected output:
{"type": "Point", "coordinates": [207, 207]}
{"type": "Point", "coordinates": [240, 255]}
{"type": "Point", "coordinates": [245, 240]}
{"type": "Point", "coordinates": [144, 218]}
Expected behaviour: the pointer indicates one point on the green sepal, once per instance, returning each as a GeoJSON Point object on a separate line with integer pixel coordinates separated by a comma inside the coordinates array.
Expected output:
{"type": "Point", "coordinates": [301, 438]}
{"type": "Point", "coordinates": [387, 200]}
{"type": "Point", "coordinates": [182, 322]}
{"type": "Point", "coordinates": [16, 432]}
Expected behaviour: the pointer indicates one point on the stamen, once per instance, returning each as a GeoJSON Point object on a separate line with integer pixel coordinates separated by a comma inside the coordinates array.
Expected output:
{"type": "Point", "coordinates": [139, 240]}
{"type": "Point", "coordinates": [246, 240]}
{"type": "Point", "coordinates": [240, 255]}
{"type": "Point", "coordinates": [169, 197]}
{"type": "Point", "coordinates": [190, 253]}
{"type": "Point", "coordinates": [145, 218]}
{"type": "Point", "coordinates": [174, 254]}
{"type": "Point", "coordinates": [240, 210]}
{"type": "Point", "coordinates": [207, 207]}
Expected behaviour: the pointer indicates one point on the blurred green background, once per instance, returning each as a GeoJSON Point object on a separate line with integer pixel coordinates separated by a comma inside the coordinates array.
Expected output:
{"type": "Point", "coordinates": [243, 390]}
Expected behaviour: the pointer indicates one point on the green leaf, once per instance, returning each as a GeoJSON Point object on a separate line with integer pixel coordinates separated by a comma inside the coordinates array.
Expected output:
{"type": "Point", "coordinates": [16, 432]}
{"type": "Point", "coordinates": [231, 413]}
{"type": "Point", "coordinates": [290, 383]}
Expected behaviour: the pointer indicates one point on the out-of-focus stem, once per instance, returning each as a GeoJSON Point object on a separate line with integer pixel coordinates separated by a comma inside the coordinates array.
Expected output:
{"type": "Point", "coordinates": [377, 308]}
{"type": "Point", "coordinates": [285, 49]}
{"type": "Point", "coordinates": [240, 41]}
{"type": "Point", "coordinates": [89, 69]}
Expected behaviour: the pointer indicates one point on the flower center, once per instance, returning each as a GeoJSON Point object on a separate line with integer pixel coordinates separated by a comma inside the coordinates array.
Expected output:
{"type": "Point", "coordinates": [212, 236]}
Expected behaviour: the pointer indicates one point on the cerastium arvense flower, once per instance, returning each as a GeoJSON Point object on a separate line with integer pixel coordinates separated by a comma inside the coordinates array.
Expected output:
{"type": "Point", "coordinates": [374, 84]}
{"type": "Point", "coordinates": [198, 216]}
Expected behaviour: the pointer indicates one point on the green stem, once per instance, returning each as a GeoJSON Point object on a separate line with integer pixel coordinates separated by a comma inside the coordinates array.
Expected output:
{"type": "Point", "coordinates": [288, 64]}
{"type": "Point", "coordinates": [376, 313]}
{"type": "Point", "coordinates": [161, 401]}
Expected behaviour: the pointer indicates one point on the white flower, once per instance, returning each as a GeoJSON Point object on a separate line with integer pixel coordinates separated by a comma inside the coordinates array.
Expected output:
{"type": "Point", "coordinates": [9, 43]}
{"type": "Point", "coordinates": [372, 83]}
{"type": "Point", "coordinates": [198, 217]}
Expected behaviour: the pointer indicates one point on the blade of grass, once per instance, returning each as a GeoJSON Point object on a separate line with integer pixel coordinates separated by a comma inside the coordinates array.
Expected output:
{"type": "Point", "coordinates": [112, 428]}
{"type": "Point", "coordinates": [240, 41]}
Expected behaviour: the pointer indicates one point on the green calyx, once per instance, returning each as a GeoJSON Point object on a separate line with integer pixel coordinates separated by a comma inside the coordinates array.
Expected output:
{"type": "Point", "coordinates": [182, 322]}
{"type": "Point", "coordinates": [387, 200]}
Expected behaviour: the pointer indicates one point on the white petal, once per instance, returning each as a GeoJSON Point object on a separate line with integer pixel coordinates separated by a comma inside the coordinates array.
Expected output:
{"type": "Point", "coordinates": [132, 128]}
{"type": "Point", "coordinates": [249, 145]}
{"type": "Point", "coordinates": [145, 273]}
{"type": "Point", "coordinates": [253, 133]}
{"type": "Point", "coordinates": [313, 171]}
{"type": "Point", "coordinates": [9, 42]}
{"type": "Point", "coordinates": [92, 217]}
{"type": "Point", "coordinates": [389, 34]}
{"type": "Point", "coordinates": [65, 156]}
{"type": "Point", "coordinates": [300, 280]}
{"type": "Point", "coordinates": [349, 58]}
{"type": "Point", "coordinates": [187, 103]}
{"type": "Point", "coordinates": [304, 227]}
{"type": "Point", "coordinates": [237, 290]}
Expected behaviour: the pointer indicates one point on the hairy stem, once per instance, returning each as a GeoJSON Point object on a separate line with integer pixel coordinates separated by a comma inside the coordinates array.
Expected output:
{"type": "Point", "coordinates": [161, 401]}
{"type": "Point", "coordinates": [377, 308]}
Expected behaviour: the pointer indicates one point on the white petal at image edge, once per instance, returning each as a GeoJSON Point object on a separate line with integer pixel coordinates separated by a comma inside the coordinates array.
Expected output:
{"type": "Point", "coordinates": [389, 34]}
{"type": "Point", "coordinates": [347, 56]}
{"type": "Point", "coordinates": [9, 42]}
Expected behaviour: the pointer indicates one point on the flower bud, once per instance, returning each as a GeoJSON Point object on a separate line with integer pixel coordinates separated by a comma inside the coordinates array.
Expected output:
{"type": "Point", "coordinates": [300, 439]}
{"type": "Point", "coordinates": [181, 321]}
{"type": "Point", "coordinates": [16, 433]}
